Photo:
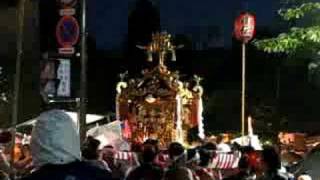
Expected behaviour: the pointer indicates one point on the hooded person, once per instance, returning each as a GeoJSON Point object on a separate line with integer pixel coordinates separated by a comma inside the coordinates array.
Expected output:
{"type": "Point", "coordinates": [55, 148]}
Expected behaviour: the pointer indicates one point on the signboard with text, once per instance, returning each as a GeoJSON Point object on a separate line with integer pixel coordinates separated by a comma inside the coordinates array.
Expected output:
{"type": "Point", "coordinates": [64, 76]}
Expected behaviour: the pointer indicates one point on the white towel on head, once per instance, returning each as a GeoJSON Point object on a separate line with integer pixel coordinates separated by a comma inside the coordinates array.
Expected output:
{"type": "Point", "coordinates": [55, 139]}
{"type": "Point", "coordinates": [304, 177]}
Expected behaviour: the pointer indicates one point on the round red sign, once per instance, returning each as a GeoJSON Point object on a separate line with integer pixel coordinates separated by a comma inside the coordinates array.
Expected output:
{"type": "Point", "coordinates": [67, 31]}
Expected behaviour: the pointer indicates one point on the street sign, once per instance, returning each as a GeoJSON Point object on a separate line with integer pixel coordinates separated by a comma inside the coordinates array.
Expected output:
{"type": "Point", "coordinates": [67, 33]}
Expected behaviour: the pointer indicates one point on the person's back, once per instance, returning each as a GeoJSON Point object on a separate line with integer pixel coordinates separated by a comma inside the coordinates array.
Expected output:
{"type": "Point", "coordinates": [178, 169]}
{"type": "Point", "coordinates": [275, 176]}
{"type": "Point", "coordinates": [146, 172]}
{"type": "Point", "coordinates": [271, 164]}
{"type": "Point", "coordinates": [179, 173]}
{"type": "Point", "coordinates": [72, 171]}
{"type": "Point", "coordinates": [248, 166]}
{"type": "Point", "coordinates": [90, 154]}
{"type": "Point", "coordinates": [204, 172]}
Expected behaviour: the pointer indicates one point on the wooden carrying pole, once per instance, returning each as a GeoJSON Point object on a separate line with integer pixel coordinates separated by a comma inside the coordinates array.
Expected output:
{"type": "Point", "coordinates": [243, 90]}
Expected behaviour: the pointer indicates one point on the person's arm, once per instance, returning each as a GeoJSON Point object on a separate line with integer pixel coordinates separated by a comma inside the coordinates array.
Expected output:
{"type": "Point", "coordinates": [190, 175]}
{"type": "Point", "coordinates": [128, 174]}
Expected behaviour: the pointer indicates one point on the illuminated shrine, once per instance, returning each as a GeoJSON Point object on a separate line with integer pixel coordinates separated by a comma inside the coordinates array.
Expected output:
{"type": "Point", "coordinates": [158, 105]}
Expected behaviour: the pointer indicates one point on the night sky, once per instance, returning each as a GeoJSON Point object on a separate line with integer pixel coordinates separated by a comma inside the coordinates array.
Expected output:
{"type": "Point", "coordinates": [221, 68]}
{"type": "Point", "coordinates": [108, 20]}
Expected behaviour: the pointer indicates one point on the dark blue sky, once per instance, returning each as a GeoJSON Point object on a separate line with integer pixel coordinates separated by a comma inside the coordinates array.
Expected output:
{"type": "Point", "coordinates": [109, 24]}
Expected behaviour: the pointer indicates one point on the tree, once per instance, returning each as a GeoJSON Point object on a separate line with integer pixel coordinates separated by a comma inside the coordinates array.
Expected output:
{"type": "Point", "coordinates": [304, 34]}
{"type": "Point", "coordinates": [301, 38]}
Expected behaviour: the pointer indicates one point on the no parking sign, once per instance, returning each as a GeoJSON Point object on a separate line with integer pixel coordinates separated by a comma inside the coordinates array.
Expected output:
{"type": "Point", "coordinates": [67, 34]}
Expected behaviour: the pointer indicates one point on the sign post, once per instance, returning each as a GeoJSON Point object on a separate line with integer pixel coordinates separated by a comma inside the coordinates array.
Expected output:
{"type": "Point", "coordinates": [244, 30]}
{"type": "Point", "coordinates": [83, 81]}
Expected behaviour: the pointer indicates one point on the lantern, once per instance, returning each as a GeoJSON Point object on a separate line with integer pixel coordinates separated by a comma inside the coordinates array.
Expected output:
{"type": "Point", "coordinates": [244, 27]}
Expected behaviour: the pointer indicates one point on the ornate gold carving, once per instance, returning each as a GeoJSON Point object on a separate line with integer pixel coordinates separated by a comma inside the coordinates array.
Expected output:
{"type": "Point", "coordinates": [151, 99]}
{"type": "Point", "coordinates": [161, 45]}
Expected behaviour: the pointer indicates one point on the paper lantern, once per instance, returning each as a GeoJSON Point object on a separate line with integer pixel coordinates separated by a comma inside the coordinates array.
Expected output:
{"type": "Point", "coordinates": [245, 27]}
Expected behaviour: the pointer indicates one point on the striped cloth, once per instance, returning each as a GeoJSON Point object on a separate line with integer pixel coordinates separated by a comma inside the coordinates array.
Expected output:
{"type": "Point", "coordinates": [226, 161]}
{"type": "Point", "coordinates": [125, 156]}
{"type": "Point", "coordinates": [221, 161]}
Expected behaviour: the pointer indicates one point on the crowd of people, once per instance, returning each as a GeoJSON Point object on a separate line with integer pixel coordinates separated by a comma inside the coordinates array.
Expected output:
{"type": "Point", "coordinates": [54, 153]}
